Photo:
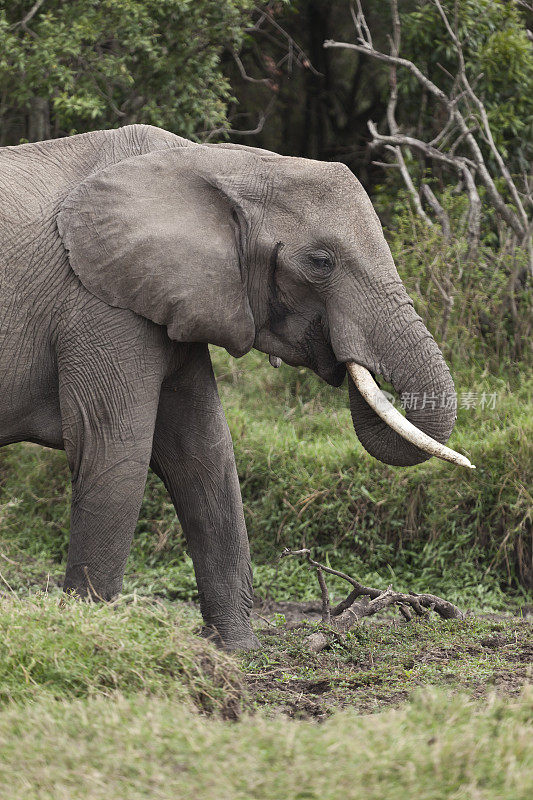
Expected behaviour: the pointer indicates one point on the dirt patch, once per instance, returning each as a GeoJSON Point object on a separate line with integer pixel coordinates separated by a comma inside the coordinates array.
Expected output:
{"type": "Point", "coordinates": [266, 610]}
{"type": "Point", "coordinates": [383, 660]}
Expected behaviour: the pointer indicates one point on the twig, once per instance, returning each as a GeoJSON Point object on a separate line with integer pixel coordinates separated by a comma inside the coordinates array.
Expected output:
{"type": "Point", "coordinates": [9, 560]}
{"type": "Point", "coordinates": [303, 59]}
{"type": "Point", "coordinates": [244, 74]}
{"type": "Point", "coordinates": [433, 153]}
{"type": "Point", "coordinates": [360, 23]}
{"type": "Point", "coordinates": [438, 210]}
{"type": "Point", "coordinates": [391, 113]}
{"type": "Point", "coordinates": [29, 16]}
{"type": "Point", "coordinates": [474, 213]}
{"type": "Point", "coordinates": [92, 590]}
{"type": "Point", "coordinates": [484, 118]}
{"type": "Point", "coordinates": [7, 584]}
{"type": "Point", "coordinates": [263, 116]}
{"type": "Point", "coordinates": [265, 17]}
{"type": "Point", "coordinates": [326, 608]}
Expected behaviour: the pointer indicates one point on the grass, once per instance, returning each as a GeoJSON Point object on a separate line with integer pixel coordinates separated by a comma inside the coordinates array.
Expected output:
{"type": "Point", "coordinates": [73, 650]}
{"type": "Point", "coordinates": [124, 700]}
{"type": "Point", "coordinates": [65, 649]}
{"type": "Point", "coordinates": [432, 749]}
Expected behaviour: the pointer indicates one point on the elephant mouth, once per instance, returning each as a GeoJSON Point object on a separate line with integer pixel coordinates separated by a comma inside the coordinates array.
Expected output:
{"type": "Point", "coordinates": [330, 370]}
{"type": "Point", "coordinates": [319, 354]}
{"type": "Point", "coordinates": [313, 350]}
{"type": "Point", "coordinates": [376, 400]}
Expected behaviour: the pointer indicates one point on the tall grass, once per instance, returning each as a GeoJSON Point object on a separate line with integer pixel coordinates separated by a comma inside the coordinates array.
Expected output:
{"type": "Point", "coordinates": [71, 650]}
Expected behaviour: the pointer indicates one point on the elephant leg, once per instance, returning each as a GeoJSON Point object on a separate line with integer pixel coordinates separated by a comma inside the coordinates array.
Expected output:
{"type": "Point", "coordinates": [108, 398]}
{"type": "Point", "coordinates": [193, 455]}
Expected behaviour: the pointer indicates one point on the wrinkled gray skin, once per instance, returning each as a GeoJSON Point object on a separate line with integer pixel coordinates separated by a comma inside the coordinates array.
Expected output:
{"type": "Point", "coordinates": [123, 253]}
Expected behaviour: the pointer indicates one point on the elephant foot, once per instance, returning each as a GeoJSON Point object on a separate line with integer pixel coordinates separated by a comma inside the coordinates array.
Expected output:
{"type": "Point", "coordinates": [233, 643]}
{"type": "Point", "coordinates": [86, 583]}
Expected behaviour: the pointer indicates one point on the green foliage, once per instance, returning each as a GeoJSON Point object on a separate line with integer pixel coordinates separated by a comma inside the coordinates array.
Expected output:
{"type": "Point", "coordinates": [72, 649]}
{"type": "Point", "coordinates": [486, 320]}
{"type": "Point", "coordinates": [106, 63]}
{"type": "Point", "coordinates": [436, 748]}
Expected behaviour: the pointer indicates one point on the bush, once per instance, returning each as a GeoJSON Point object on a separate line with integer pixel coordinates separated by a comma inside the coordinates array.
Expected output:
{"type": "Point", "coordinates": [478, 312]}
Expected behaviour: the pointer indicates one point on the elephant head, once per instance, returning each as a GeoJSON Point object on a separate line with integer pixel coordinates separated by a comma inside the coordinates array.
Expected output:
{"type": "Point", "coordinates": [241, 247]}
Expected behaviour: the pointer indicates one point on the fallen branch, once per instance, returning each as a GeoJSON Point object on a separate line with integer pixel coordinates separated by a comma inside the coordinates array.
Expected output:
{"type": "Point", "coordinates": [352, 609]}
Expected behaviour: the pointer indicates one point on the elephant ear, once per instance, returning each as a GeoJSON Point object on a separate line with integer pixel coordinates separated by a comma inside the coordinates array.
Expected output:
{"type": "Point", "coordinates": [161, 234]}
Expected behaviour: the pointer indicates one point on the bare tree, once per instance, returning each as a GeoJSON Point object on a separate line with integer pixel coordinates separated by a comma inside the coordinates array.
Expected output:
{"type": "Point", "coordinates": [458, 146]}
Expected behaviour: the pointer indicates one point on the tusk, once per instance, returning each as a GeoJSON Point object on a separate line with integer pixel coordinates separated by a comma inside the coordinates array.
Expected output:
{"type": "Point", "coordinates": [392, 417]}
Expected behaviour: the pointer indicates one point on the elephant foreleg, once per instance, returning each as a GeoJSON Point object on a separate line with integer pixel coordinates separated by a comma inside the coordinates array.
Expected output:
{"type": "Point", "coordinates": [193, 455]}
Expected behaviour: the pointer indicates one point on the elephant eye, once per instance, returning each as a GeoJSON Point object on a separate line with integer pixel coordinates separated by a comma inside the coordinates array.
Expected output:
{"type": "Point", "coordinates": [322, 262]}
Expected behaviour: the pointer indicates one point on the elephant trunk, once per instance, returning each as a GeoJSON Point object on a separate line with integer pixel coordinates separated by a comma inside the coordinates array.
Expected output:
{"type": "Point", "coordinates": [421, 377]}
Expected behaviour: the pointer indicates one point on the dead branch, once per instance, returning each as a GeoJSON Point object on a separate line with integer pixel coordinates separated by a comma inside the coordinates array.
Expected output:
{"type": "Point", "coordinates": [410, 185]}
{"type": "Point", "coordinates": [351, 610]}
{"type": "Point", "coordinates": [467, 120]}
{"type": "Point", "coordinates": [302, 58]}
{"type": "Point", "coordinates": [244, 74]}
{"type": "Point", "coordinates": [391, 112]}
{"type": "Point", "coordinates": [262, 118]}
{"type": "Point", "coordinates": [368, 49]}
{"type": "Point", "coordinates": [474, 213]}
{"type": "Point", "coordinates": [292, 49]}
{"type": "Point", "coordinates": [326, 609]}
{"type": "Point", "coordinates": [430, 152]}
{"type": "Point", "coordinates": [483, 114]}
{"type": "Point", "coordinates": [427, 193]}
{"type": "Point", "coordinates": [360, 23]}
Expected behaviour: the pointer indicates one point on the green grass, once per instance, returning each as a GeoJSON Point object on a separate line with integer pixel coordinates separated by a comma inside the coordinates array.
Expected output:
{"type": "Point", "coordinates": [69, 649]}
{"type": "Point", "coordinates": [124, 700]}
{"type": "Point", "coordinates": [98, 701]}
{"type": "Point", "coordinates": [435, 748]}
{"type": "Point", "coordinates": [65, 649]}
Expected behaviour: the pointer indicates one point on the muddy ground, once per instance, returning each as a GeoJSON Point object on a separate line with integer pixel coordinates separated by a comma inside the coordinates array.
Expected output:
{"type": "Point", "coordinates": [384, 660]}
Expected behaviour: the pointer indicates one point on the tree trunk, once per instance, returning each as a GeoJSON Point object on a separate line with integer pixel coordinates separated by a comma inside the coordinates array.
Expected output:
{"type": "Point", "coordinates": [38, 120]}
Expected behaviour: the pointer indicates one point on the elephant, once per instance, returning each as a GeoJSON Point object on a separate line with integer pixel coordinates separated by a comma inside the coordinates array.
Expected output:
{"type": "Point", "coordinates": [124, 254]}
